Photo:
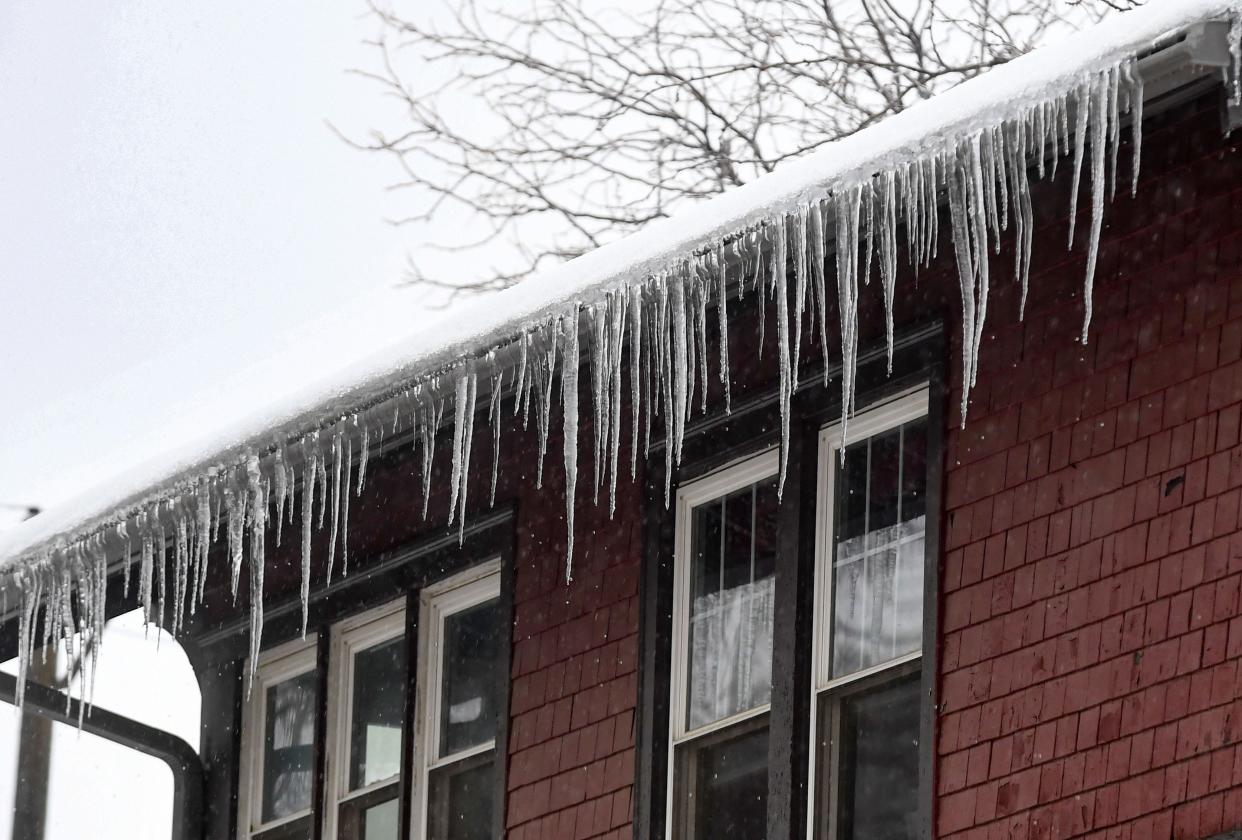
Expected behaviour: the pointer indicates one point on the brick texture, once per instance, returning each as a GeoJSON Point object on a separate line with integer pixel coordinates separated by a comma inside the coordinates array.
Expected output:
{"type": "Point", "coordinates": [1091, 680]}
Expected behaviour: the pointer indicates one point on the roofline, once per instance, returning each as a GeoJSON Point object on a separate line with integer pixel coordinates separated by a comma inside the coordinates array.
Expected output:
{"type": "Point", "coordinates": [495, 320]}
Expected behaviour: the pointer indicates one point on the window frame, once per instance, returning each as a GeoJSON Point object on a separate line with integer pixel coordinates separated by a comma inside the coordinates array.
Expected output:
{"type": "Point", "coordinates": [902, 407]}
{"type": "Point", "coordinates": [436, 602]}
{"type": "Point", "coordinates": [348, 637]}
{"type": "Point", "coordinates": [275, 665]}
{"type": "Point", "coordinates": [733, 476]}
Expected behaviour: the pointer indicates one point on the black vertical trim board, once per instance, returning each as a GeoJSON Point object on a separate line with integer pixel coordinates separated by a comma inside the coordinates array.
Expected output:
{"type": "Point", "coordinates": [504, 670]}
{"type": "Point", "coordinates": [654, 661]}
{"type": "Point", "coordinates": [405, 789]}
{"type": "Point", "coordinates": [933, 546]}
{"type": "Point", "coordinates": [220, 686]}
{"type": "Point", "coordinates": [318, 805]}
{"type": "Point", "coordinates": [789, 736]}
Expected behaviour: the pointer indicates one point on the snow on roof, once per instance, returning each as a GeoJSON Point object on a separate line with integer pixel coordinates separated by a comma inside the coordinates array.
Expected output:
{"type": "Point", "coordinates": [485, 322]}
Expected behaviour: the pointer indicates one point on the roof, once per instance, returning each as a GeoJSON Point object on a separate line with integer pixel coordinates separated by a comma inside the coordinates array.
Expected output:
{"type": "Point", "coordinates": [934, 130]}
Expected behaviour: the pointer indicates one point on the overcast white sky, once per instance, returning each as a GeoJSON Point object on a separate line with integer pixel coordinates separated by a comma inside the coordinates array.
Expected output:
{"type": "Point", "coordinates": [172, 209]}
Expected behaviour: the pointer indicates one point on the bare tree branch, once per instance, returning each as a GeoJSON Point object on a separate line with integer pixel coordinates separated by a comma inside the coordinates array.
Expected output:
{"type": "Point", "coordinates": [595, 121]}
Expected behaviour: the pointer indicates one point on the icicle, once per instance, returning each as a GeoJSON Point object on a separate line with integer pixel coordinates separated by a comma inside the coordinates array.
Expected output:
{"type": "Point", "coordinates": [309, 469]}
{"type": "Point", "coordinates": [679, 364]}
{"type": "Point", "coordinates": [463, 456]}
{"type": "Point", "coordinates": [349, 469]}
{"type": "Point", "coordinates": [1083, 102]}
{"type": "Point", "coordinates": [818, 257]}
{"type": "Point", "coordinates": [494, 413]}
{"type": "Point", "coordinates": [258, 517]}
{"type": "Point", "coordinates": [637, 360]}
{"type": "Point", "coordinates": [1099, 135]}
{"type": "Point", "coordinates": [181, 562]}
{"type": "Point", "coordinates": [616, 352]}
{"type": "Point", "coordinates": [569, 408]}
{"type": "Point", "coordinates": [1235, 58]}
{"type": "Point", "coordinates": [965, 273]}
{"type": "Point", "coordinates": [321, 477]}
{"type": "Point", "coordinates": [337, 457]}
{"type": "Point", "coordinates": [281, 478]}
{"type": "Point", "coordinates": [722, 329]}
{"type": "Point", "coordinates": [801, 221]}
{"type": "Point", "coordinates": [848, 206]}
{"type": "Point", "coordinates": [236, 525]}
{"type": "Point", "coordinates": [363, 457]}
{"type": "Point", "coordinates": [1136, 115]}
{"type": "Point", "coordinates": [788, 377]}
{"type": "Point", "coordinates": [888, 255]}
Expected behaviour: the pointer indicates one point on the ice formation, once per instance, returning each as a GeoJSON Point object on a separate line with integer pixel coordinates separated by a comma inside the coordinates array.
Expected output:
{"type": "Point", "coordinates": [652, 327]}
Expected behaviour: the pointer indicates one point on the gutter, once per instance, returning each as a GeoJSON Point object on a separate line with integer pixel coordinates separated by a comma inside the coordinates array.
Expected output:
{"type": "Point", "coordinates": [182, 760]}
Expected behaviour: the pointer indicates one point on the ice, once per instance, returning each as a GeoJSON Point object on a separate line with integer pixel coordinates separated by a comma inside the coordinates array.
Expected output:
{"type": "Point", "coordinates": [976, 144]}
{"type": "Point", "coordinates": [569, 410]}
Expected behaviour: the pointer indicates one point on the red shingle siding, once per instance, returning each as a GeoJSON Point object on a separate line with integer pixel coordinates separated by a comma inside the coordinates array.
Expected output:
{"type": "Point", "coordinates": [1091, 682]}
{"type": "Point", "coordinates": [575, 656]}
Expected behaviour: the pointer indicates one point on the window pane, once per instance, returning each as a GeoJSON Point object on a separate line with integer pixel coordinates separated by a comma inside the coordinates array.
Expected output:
{"type": "Point", "coordinates": [731, 587]}
{"type": "Point", "coordinates": [371, 816]}
{"type": "Point", "coordinates": [468, 698]}
{"type": "Point", "coordinates": [289, 746]}
{"type": "Point", "coordinates": [878, 773]}
{"type": "Point", "coordinates": [723, 781]}
{"type": "Point", "coordinates": [878, 564]}
{"type": "Point", "coordinates": [460, 803]}
{"type": "Point", "coordinates": [377, 712]}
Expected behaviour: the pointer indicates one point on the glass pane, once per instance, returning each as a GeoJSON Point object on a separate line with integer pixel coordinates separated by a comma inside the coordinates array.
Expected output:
{"type": "Point", "coordinates": [460, 806]}
{"type": "Point", "coordinates": [724, 784]}
{"type": "Point", "coordinates": [378, 709]}
{"type": "Point", "coordinates": [468, 698]}
{"type": "Point", "coordinates": [289, 746]}
{"type": "Point", "coordinates": [372, 816]}
{"type": "Point", "coordinates": [878, 774]}
{"type": "Point", "coordinates": [878, 565]}
{"type": "Point", "coordinates": [299, 829]}
{"type": "Point", "coordinates": [731, 588]}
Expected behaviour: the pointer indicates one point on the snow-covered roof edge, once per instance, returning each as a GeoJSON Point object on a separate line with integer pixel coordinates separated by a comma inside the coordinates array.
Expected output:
{"type": "Point", "coordinates": [977, 142]}
{"type": "Point", "coordinates": [1003, 91]}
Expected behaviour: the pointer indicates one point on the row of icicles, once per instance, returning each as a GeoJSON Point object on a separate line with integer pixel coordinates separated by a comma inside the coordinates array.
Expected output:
{"type": "Point", "coordinates": [659, 324]}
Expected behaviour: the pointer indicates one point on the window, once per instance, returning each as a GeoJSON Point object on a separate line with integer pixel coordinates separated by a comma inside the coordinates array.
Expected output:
{"type": "Point", "coordinates": [278, 732]}
{"type": "Point", "coordinates": [869, 602]}
{"type": "Point", "coordinates": [724, 576]}
{"type": "Point", "coordinates": [382, 779]}
{"type": "Point", "coordinates": [367, 690]}
{"type": "Point", "coordinates": [461, 638]}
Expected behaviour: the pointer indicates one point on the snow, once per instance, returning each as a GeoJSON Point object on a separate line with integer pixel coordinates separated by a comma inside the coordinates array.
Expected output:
{"type": "Point", "coordinates": [977, 140]}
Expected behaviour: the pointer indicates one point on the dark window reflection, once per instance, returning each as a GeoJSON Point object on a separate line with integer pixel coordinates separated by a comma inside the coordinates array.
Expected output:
{"type": "Point", "coordinates": [728, 794]}
{"type": "Point", "coordinates": [461, 800]}
{"type": "Point", "coordinates": [289, 738]}
{"type": "Point", "coordinates": [370, 817]}
{"type": "Point", "coordinates": [468, 701]}
{"type": "Point", "coordinates": [378, 709]}
{"type": "Point", "coordinates": [879, 769]}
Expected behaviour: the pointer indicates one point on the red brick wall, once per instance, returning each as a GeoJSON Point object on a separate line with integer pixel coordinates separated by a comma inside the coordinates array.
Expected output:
{"type": "Point", "coordinates": [1090, 678]}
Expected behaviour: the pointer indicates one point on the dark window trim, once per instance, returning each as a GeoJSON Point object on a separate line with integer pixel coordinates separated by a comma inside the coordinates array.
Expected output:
{"type": "Point", "coordinates": [406, 570]}
{"type": "Point", "coordinates": [752, 427]}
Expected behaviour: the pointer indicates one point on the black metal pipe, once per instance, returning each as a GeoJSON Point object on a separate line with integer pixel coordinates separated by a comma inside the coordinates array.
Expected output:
{"type": "Point", "coordinates": [180, 757]}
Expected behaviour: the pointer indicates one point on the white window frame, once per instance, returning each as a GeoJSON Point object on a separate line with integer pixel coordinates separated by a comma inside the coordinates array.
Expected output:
{"type": "Point", "coordinates": [348, 637]}
{"type": "Point", "coordinates": [477, 585]}
{"type": "Point", "coordinates": [275, 666]}
{"type": "Point", "coordinates": [902, 408]}
{"type": "Point", "coordinates": [732, 477]}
